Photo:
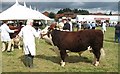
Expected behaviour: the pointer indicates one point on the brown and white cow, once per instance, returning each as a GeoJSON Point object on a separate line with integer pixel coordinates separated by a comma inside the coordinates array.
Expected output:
{"type": "Point", "coordinates": [78, 42]}
{"type": "Point", "coordinates": [15, 39]}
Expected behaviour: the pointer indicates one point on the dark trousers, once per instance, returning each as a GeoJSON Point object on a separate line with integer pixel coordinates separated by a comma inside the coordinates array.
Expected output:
{"type": "Point", "coordinates": [117, 37]}
{"type": "Point", "coordinates": [93, 27]}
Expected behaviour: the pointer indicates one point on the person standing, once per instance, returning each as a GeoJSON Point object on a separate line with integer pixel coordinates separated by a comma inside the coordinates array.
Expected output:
{"type": "Point", "coordinates": [78, 26]}
{"type": "Point", "coordinates": [61, 24]}
{"type": "Point", "coordinates": [28, 33]}
{"type": "Point", "coordinates": [5, 37]}
{"type": "Point", "coordinates": [117, 32]}
{"type": "Point", "coordinates": [71, 25]}
{"type": "Point", "coordinates": [86, 25]}
{"type": "Point", "coordinates": [93, 25]}
{"type": "Point", "coordinates": [104, 27]}
{"type": "Point", "coordinates": [66, 26]}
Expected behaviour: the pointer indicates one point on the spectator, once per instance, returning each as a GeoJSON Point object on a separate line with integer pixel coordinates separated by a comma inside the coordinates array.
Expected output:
{"type": "Point", "coordinates": [104, 27]}
{"type": "Point", "coordinates": [78, 26]}
{"type": "Point", "coordinates": [61, 24]}
{"type": "Point", "coordinates": [93, 25]}
{"type": "Point", "coordinates": [71, 25]}
{"type": "Point", "coordinates": [66, 26]}
{"type": "Point", "coordinates": [117, 32]}
{"type": "Point", "coordinates": [86, 25]}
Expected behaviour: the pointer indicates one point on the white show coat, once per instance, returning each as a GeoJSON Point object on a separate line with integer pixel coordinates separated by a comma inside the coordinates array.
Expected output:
{"type": "Point", "coordinates": [5, 33]}
{"type": "Point", "coordinates": [29, 33]}
{"type": "Point", "coordinates": [104, 26]}
{"type": "Point", "coordinates": [70, 26]}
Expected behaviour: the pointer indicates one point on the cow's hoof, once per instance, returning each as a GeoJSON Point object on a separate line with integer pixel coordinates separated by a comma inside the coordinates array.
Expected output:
{"type": "Point", "coordinates": [62, 64]}
{"type": "Point", "coordinates": [67, 55]}
{"type": "Point", "coordinates": [96, 63]}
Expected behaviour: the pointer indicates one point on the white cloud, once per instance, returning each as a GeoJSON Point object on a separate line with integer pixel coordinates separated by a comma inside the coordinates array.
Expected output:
{"type": "Point", "coordinates": [97, 10]}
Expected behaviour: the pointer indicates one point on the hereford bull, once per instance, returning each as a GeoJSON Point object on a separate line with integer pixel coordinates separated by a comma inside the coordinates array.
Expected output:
{"type": "Point", "coordinates": [78, 42]}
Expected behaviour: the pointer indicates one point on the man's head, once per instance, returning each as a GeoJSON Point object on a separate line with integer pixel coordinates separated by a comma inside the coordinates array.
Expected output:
{"type": "Point", "coordinates": [30, 22]}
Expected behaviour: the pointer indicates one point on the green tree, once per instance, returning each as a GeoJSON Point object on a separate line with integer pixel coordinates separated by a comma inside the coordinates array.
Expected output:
{"type": "Point", "coordinates": [110, 13]}
{"type": "Point", "coordinates": [60, 11]}
{"type": "Point", "coordinates": [83, 12]}
{"type": "Point", "coordinates": [67, 10]}
{"type": "Point", "coordinates": [76, 11]}
{"type": "Point", "coordinates": [51, 15]}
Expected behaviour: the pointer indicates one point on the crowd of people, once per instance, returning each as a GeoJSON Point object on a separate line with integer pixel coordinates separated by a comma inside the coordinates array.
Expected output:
{"type": "Point", "coordinates": [66, 25]}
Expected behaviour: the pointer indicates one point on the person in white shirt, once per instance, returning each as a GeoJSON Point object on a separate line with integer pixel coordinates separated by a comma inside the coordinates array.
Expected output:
{"type": "Point", "coordinates": [28, 33]}
{"type": "Point", "coordinates": [104, 27]}
{"type": "Point", "coordinates": [79, 25]}
{"type": "Point", "coordinates": [61, 24]}
{"type": "Point", "coordinates": [5, 37]}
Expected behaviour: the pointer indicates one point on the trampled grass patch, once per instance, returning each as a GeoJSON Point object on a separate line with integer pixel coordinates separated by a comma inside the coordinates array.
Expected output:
{"type": "Point", "coordinates": [47, 61]}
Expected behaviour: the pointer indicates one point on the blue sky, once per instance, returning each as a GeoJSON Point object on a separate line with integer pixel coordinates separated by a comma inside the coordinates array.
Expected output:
{"type": "Point", "coordinates": [104, 6]}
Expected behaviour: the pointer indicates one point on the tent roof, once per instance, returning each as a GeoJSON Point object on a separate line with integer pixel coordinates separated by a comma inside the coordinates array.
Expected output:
{"type": "Point", "coordinates": [19, 12]}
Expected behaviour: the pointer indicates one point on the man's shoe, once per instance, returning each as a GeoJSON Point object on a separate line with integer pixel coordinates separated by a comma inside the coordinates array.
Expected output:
{"type": "Point", "coordinates": [30, 62]}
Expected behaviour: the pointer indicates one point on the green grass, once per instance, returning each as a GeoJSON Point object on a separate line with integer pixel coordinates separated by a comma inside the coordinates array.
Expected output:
{"type": "Point", "coordinates": [47, 61]}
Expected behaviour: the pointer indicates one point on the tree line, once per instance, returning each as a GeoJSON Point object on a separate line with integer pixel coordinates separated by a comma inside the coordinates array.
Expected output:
{"type": "Point", "coordinates": [75, 11]}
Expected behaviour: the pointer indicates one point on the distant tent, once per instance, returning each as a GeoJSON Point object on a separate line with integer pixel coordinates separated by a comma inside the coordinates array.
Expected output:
{"type": "Point", "coordinates": [19, 12]}
{"type": "Point", "coordinates": [96, 17]}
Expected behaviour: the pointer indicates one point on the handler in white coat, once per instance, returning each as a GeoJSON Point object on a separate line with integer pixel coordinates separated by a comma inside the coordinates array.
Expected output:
{"type": "Point", "coordinates": [5, 37]}
{"type": "Point", "coordinates": [28, 33]}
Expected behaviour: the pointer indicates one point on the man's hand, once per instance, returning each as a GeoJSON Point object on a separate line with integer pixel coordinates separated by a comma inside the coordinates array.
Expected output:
{"type": "Point", "coordinates": [16, 30]}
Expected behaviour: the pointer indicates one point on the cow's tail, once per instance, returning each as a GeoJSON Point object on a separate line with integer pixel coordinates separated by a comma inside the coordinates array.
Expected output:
{"type": "Point", "coordinates": [102, 52]}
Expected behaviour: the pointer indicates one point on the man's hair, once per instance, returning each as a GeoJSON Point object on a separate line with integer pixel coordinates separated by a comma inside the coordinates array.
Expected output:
{"type": "Point", "coordinates": [29, 21]}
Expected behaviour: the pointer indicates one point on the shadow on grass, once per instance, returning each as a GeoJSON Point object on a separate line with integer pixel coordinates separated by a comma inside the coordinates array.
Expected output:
{"type": "Point", "coordinates": [70, 59]}
{"type": "Point", "coordinates": [109, 39]}
{"type": "Point", "coordinates": [106, 40]}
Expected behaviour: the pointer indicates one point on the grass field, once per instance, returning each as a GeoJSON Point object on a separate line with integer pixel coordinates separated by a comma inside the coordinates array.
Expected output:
{"type": "Point", "coordinates": [47, 61]}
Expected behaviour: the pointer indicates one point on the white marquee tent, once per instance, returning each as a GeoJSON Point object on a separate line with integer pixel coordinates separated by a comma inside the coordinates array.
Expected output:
{"type": "Point", "coordinates": [19, 12]}
{"type": "Point", "coordinates": [96, 17]}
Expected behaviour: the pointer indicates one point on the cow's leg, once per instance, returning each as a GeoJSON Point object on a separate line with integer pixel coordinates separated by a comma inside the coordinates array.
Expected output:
{"type": "Point", "coordinates": [63, 54]}
{"type": "Point", "coordinates": [94, 60]}
{"type": "Point", "coordinates": [80, 53]}
{"type": "Point", "coordinates": [90, 49]}
{"type": "Point", "coordinates": [67, 51]}
{"type": "Point", "coordinates": [96, 57]}
{"type": "Point", "coordinates": [12, 44]}
{"type": "Point", "coordinates": [19, 45]}
{"type": "Point", "coordinates": [9, 46]}
{"type": "Point", "coordinates": [3, 46]}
